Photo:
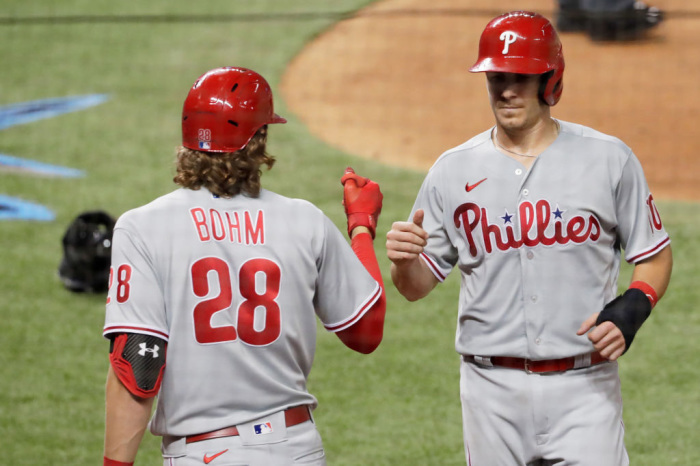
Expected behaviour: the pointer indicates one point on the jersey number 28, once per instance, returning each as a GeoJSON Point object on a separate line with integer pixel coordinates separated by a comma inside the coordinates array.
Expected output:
{"type": "Point", "coordinates": [258, 296]}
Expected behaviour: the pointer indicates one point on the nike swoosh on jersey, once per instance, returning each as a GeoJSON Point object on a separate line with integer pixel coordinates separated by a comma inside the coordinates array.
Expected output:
{"type": "Point", "coordinates": [208, 459]}
{"type": "Point", "coordinates": [469, 188]}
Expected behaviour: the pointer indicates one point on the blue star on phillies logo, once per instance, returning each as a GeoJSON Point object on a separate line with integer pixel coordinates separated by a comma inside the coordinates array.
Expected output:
{"type": "Point", "coordinates": [507, 218]}
{"type": "Point", "coordinates": [263, 429]}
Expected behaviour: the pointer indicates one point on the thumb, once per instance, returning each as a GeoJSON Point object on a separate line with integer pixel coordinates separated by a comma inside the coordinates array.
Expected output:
{"type": "Point", "coordinates": [418, 217]}
{"type": "Point", "coordinates": [587, 324]}
{"type": "Point", "coordinates": [350, 175]}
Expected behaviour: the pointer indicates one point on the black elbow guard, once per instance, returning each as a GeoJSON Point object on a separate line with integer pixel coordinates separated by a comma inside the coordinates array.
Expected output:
{"type": "Point", "coordinates": [628, 312]}
{"type": "Point", "coordinates": [138, 361]}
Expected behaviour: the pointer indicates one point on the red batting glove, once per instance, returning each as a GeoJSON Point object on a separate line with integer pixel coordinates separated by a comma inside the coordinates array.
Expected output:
{"type": "Point", "coordinates": [362, 200]}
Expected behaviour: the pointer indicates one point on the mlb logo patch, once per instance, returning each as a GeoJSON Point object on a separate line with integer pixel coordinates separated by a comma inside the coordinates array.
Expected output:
{"type": "Point", "coordinates": [206, 145]}
{"type": "Point", "coordinates": [262, 429]}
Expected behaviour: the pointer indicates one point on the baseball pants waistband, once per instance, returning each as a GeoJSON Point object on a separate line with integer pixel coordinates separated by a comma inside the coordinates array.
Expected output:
{"type": "Point", "coordinates": [292, 417]}
{"type": "Point", "coordinates": [538, 366]}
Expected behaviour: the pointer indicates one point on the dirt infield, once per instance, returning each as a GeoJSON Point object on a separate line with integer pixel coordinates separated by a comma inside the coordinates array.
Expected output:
{"type": "Point", "coordinates": [391, 84]}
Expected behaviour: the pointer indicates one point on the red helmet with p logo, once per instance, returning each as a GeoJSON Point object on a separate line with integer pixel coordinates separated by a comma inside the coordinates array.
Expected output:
{"type": "Point", "coordinates": [224, 109]}
{"type": "Point", "coordinates": [525, 43]}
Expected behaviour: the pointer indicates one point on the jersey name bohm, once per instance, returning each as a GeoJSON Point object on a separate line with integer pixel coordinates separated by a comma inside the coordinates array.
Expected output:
{"type": "Point", "coordinates": [236, 227]}
{"type": "Point", "coordinates": [538, 225]}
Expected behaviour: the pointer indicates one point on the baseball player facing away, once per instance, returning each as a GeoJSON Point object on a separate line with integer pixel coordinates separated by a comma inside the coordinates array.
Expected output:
{"type": "Point", "coordinates": [215, 289]}
{"type": "Point", "coordinates": [535, 212]}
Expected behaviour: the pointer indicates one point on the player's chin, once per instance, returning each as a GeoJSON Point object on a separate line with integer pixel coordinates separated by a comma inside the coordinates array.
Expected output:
{"type": "Point", "coordinates": [510, 117]}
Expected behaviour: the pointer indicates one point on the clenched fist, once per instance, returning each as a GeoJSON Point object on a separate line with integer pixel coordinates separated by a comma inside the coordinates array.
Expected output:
{"type": "Point", "coordinates": [362, 200]}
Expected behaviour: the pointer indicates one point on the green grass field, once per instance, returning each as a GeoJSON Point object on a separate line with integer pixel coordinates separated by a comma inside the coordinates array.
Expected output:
{"type": "Point", "coordinates": [398, 406]}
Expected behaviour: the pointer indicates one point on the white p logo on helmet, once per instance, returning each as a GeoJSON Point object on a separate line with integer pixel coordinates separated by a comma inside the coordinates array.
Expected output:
{"type": "Point", "coordinates": [508, 37]}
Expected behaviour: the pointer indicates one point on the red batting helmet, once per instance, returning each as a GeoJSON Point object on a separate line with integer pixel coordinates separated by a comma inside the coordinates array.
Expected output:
{"type": "Point", "coordinates": [225, 108]}
{"type": "Point", "coordinates": [525, 43]}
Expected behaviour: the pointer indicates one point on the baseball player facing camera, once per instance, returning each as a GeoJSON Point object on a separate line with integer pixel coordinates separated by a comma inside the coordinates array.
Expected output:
{"type": "Point", "coordinates": [215, 289]}
{"type": "Point", "coordinates": [535, 212]}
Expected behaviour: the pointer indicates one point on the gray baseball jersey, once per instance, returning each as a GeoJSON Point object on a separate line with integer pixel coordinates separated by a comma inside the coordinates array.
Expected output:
{"type": "Point", "coordinates": [234, 286]}
{"type": "Point", "coordinates": [538, 249]}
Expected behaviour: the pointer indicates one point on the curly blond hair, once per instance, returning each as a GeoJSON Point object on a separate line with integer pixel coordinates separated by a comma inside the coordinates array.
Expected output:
{"type": "Point", "coordinates": [225, 174]}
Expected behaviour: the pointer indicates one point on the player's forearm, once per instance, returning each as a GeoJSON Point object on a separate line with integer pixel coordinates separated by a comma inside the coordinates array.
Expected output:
{"type": "Point", "coordinates": [630, 310]}
{"type": "Point", "coordinates": [125, 420]}
{"type": "Point", "coordinates": [363, 247]}
{"type": "Point", "coordinates": [412, 278]}
{"type": "Point", "coordinates": [366, 335]}
{"type": "Point", "coordinates": [655, 271]}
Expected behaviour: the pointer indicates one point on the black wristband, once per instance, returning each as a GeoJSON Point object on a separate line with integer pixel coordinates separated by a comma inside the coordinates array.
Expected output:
{"type": "Point", "coordinates": [628, 312]}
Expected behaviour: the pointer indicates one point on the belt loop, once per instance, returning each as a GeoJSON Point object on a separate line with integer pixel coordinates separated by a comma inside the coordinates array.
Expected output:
{"type": "Point", "coordinates": [526, 364]}
{"type": "Point", "coordinates": [483, 361]}
{"type": "Point", "coordinates": [582, 360]}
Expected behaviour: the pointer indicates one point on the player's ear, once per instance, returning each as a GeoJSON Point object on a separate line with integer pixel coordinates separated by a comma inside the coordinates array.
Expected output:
{"type": "Point", "coordinates": [544, 81]}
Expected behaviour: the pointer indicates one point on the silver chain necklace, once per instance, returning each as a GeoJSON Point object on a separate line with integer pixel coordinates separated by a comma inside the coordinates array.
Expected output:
{"type": "Point", "coordinates": [498, 144]}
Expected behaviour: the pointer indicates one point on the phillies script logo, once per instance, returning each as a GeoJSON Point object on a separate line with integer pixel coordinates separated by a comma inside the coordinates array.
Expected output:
{"type": "Point", "coordinates": [538, 225]}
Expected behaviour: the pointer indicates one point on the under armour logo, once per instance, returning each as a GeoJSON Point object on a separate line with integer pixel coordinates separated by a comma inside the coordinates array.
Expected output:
{"type": "Point", "coordinates": [145, 349]}
{"type": "Point", "coordinates": [508, 37]}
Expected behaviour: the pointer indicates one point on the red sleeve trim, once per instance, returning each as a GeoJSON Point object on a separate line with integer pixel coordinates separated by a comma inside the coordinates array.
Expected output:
{"type": "Point", "coordinates": [134, 329]}
{"type": "Point", "coordinates": [650, 252]}
{"type": "Point", "coordinates": [433, 266]}
{"type": "Point", "coordinates": [363, 310]}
